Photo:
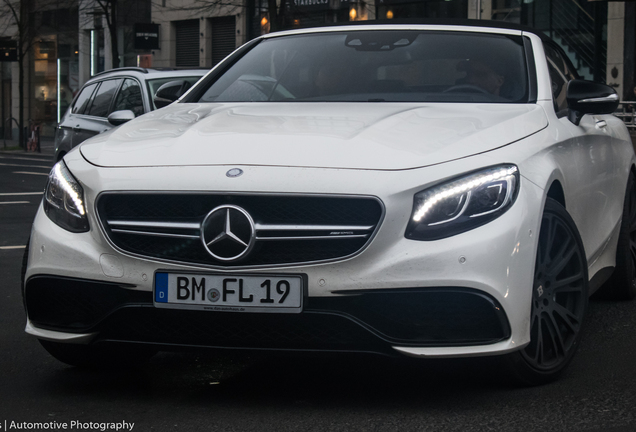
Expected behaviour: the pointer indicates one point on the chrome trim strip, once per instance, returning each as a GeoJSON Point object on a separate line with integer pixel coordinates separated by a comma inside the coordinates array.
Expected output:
{"type": "Point", "coordinates": [265, 227]}
{"type": "Point", "coordinates": [175, 225]}
{"type": "Point", "coordinates": [259, 227]}
{"type": "Point", "coordinates": [610, 98]}
{"type": "Point", "coordinates": [333, 237]}
{"type": "Point", "coordinates": [156, 234]}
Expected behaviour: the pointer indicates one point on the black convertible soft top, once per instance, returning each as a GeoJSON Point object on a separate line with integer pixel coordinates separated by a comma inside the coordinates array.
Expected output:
{"type": "Point", "coordinates": [437, 21]}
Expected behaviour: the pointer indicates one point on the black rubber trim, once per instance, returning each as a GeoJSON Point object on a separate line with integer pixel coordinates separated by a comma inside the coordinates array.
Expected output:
{"type": "Point", "coordinates": [435, 21]}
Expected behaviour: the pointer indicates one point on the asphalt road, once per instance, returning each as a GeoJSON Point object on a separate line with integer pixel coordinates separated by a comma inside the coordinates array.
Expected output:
{"type": "Point", "coordinates": [222, 392]}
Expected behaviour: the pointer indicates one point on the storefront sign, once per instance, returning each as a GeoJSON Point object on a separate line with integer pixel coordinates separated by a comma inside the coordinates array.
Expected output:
{"type": "Point", "coordinates": [315, 5]}
{"type": "Point", "coordinates": [390, 2]}
{"type": "Point", "coordinates": [8, 51]}
{"type": "Point", "coordinates": [146, 36]}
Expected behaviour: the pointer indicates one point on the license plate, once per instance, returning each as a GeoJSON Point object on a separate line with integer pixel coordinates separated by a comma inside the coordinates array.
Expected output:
{"type": "Point", "coordinates": [229, 293]}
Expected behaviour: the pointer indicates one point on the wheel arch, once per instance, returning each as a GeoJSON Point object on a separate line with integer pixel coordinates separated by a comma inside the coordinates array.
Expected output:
{"type": "Point", "coordinates": [556, 192]}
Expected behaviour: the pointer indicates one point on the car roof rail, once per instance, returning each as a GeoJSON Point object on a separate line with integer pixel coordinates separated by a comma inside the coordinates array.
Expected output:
{"type": "Point", "coordinates": [122, 69]}
{"type": "Point", "coordinates": [179, 68]}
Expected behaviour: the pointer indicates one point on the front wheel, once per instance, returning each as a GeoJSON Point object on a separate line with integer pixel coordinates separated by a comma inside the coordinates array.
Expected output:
{"type": "Point", "coordinates": [559, 300]}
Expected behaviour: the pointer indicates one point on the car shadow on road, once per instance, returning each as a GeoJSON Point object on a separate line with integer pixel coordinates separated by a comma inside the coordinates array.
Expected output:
{"type": "Point", "coordinates": [325, 380]}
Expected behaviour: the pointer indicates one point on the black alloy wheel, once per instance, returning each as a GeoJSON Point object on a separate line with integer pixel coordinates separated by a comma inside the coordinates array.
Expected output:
{"type": "Point", "coordinates": [559, 300]}
{"type": "Point", "coordinates": [622, 284]}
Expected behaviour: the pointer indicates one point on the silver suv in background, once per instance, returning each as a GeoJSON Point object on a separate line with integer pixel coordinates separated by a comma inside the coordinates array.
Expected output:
{"type": "Point", "coordinates": [113, 97]}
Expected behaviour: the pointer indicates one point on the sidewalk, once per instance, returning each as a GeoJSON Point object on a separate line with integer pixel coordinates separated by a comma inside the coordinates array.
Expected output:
{"type": "Point", "coordinates": [46, 146]}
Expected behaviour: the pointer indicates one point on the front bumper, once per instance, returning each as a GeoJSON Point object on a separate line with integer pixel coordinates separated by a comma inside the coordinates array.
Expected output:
{"type": "Point", "coordinates": [368, 321]}
{"type": "Point", "coordinates": [472, 290]}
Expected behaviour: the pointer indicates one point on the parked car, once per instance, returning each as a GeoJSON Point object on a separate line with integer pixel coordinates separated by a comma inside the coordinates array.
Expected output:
{"type": "Point", "coordinates": [99, 104]}
{"type": "Point", "coordinates": [409, 190]}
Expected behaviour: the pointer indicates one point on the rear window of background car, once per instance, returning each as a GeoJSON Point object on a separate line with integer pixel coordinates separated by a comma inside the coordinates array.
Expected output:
{"type": "Point", "coordinates": [154, 84]}
{"type": "Point", "coordinates": [103, 98]}
{"type": "Point", "coordinates": [129, 98]}
{"type": "Point", "coordinates": [82, 101]}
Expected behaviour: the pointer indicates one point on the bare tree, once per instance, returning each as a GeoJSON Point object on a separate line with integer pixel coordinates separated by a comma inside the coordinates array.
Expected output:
{"type": "Point", "coordinates": [109, 9]}
{"type": "Point", "coordinates": [276, 14]}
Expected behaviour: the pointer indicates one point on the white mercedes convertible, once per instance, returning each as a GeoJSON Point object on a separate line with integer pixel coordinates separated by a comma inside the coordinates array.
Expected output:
{"type": "Point", "coordinates": [407, 190]}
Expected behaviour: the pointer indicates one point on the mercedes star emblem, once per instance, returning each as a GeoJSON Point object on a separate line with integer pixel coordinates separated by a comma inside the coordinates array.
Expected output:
{"type": "Point", "coordinates": [228, 233]}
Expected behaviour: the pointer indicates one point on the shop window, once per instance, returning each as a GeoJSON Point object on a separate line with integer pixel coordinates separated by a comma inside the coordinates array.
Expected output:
{"type": "Point", "coordinates": [223, 37]}
{"type": "Point", "coordinates": [187, 43]}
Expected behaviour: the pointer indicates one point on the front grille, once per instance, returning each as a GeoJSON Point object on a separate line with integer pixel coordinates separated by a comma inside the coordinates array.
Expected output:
{"type": "Point", "coordinates": [288, 229]}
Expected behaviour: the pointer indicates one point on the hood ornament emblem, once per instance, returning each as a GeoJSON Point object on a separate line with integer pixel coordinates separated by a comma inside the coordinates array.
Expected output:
{"type": "Point", "coordinates": [234, 172]}
{"type": "Point", "coordinates": [228, 233]}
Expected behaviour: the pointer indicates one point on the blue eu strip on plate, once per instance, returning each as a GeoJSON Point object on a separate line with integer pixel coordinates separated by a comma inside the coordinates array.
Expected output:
{"type": "Point", "coordinates": [161, 287]}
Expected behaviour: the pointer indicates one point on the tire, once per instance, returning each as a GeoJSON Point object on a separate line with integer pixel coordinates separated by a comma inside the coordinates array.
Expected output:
{"type": "Point", "coordinates": [622, 283]}
{"type": "Point", "coordinates": [98, 355]}
{"type": "Point", "coordinates": [559, 301]}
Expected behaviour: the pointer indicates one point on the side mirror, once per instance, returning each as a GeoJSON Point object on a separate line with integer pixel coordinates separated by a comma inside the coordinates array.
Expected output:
{"type": "Point", "coordinates": [170, 92]}
{"type": "Point", "coordinates": [587, 97]}
{"type": "Point", "coordinates": [117, 118]}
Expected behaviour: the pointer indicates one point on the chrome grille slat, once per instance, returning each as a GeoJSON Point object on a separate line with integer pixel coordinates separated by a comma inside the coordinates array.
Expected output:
{"type": "Point", "coordinates": [334, 230]}
{"type": "Point", "coordinates": [333, 237]}
{"type": "Point", "coordinates": [176, 225]}
{"type": "Point", "coordinates": [156, 234]}
{"type": "Point", "coordinates": [265, 227]}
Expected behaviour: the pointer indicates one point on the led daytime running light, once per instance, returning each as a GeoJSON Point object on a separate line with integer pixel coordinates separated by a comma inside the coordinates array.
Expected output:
{"type": "Point", "coordinates": [68, 188]}
{"type": "Point", "coordinates": [462, 188]}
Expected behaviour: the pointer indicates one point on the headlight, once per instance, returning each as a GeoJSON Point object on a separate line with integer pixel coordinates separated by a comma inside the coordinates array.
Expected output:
{"type": "Point", "coordinates": [64, 200]}
{"type": "Point", "coordinates": [463, 204]}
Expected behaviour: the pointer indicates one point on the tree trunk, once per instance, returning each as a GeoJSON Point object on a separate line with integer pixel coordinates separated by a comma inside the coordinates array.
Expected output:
{"type": "Point", "coordinates": [276, 15]}
{"type": "Point", "coordinates": [113, 33]}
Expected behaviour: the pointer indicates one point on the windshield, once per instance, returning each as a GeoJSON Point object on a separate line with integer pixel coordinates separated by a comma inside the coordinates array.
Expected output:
{"type": "Point", "coordinates": [378, 66]}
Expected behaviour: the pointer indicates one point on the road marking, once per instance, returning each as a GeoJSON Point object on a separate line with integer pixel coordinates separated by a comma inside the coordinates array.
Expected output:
{"type": "Point", "coordinates": [26, 166]}
{"type": "Point", "coordinates": [12, 247]}
{"type": "Point", "coordinates": [27, 172]}
{"type": "Point", "coordinates": [26, 158]}
{"type": "Point", "coordinates": [15, 202]}
{"type": "Point", "coordinates": [20, 193]}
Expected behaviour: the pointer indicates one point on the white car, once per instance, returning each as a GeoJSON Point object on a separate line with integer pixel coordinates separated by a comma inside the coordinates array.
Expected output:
{"type": "Point", "coordinates": [416, 190]}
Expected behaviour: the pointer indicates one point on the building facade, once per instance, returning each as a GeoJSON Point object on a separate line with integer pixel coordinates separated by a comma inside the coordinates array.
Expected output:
{"type": "Point", "coordinates": [71, 40]}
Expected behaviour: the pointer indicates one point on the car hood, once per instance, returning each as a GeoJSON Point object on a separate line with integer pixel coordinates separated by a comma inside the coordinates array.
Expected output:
{"type": "Point", "coordinates": [379, 136]}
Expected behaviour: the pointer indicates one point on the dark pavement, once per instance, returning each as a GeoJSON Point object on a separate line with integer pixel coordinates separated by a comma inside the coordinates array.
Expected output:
{"type": "Point", "coordinates": [222, 392]}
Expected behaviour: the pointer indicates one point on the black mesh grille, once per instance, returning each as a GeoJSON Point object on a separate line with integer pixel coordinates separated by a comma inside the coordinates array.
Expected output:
{"type": "Point", "coordinates": [273, 210]}
{"type": "Point", "coordinates": [285, 331]}
{"type": "Point", "coordinates": [73, 304]}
